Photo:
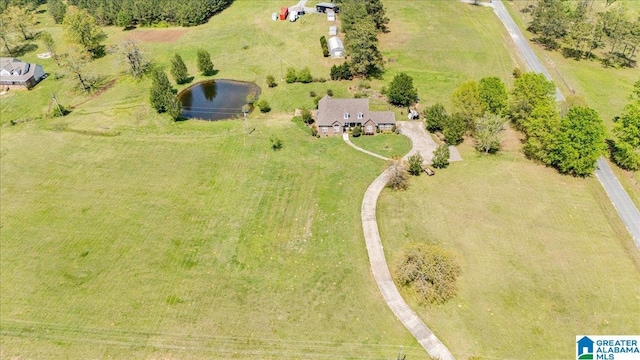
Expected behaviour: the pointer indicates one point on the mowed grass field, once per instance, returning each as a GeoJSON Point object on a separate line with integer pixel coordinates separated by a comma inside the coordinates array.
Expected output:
{"type": "Point", "coordinates": [544, 257]}
{"type": "Point", "coordinates": [195, 244]}
{"type": "Point", "coordinates": [389, 145]}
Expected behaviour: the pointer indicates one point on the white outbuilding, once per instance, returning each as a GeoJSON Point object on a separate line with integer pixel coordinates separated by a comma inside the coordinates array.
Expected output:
{"type": "Point", "coordinates": [333, 30]}
{"type": "Point", "coordinates": [331, 15]}
{"type": "Point", "coordinates": [336, 48]}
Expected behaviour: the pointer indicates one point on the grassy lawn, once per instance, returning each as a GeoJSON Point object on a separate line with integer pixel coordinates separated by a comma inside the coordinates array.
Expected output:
{"type": "Point", "coordinates": [604, 89]}
{"type": "Point", "coordinates": [198, 242]}
{"type": "Point", "coordinates": [388, 145]}
{"type": "Point", "coordinates": [543, 256]}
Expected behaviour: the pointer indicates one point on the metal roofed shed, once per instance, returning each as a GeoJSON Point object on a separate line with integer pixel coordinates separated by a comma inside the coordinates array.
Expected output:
{"type": "Point", "coordinates": [336, 48]}
{"type": "Point", "coordinates": [323, 7]}
{"type": "Point", "coordinates": [333, 30]}
{"type": "Point", "coordinates": [331, 16]}
{"type": "Point", "coordinates": [274, 16]}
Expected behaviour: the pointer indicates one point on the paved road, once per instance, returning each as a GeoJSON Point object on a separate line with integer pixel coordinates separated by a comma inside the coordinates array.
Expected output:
{"type": "Point", "coordinates": [378, 261]}
{"type": "Point", "coordinates": [522, 44]}
{"type": "Point", "coordinates": [618, 196]}
{"type": "Point", "coordinates": [620, 199]}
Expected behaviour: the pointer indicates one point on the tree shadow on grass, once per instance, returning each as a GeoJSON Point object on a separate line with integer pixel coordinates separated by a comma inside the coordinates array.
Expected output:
{"type": "Point", "coordinates": [23, 49]}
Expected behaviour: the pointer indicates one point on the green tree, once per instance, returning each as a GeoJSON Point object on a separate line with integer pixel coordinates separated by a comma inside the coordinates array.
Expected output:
{"type": "Point", "coordinates": [276, 143]}
{"type": "Point", "coordinates": [57, 9]}
{"type": "Point", "coordinates": [82, 29]}
{"type": "Point", "coordinates": [179, 70]}
{"type": "Point", "coordinates": [357, 131]}
{"type": "Point", "coordinates": [626, 152]}
{"type": "Point", "coordinates": [325, 46]}
{"type": "Point", "coordinates": [530, 90]}
{"type": "Point", "coordinates": [291, 76]}
{"type": "Point", "coordinates": [493, 94]}
{"type": "Point", "coordinates": [401, 91]}
{"type": "Point", "coordinates": [415, 164]}
{"type": "Point", "coordinates": [361, 44]}
{"type": "Point", "coordinates": [441, 157]}
{"type": "Point", "coordinates": [429, 270]}
{"type": "Point", "coordinates": [173, 107]}
{"type": "Point", "coordinates": [205, 66]}
{"type": "Point", "coordinates": [341, 72]}
{"type": "Point", "coordinates": [306, 116]}
{"type": "Point", "coordinates": [454, 129]}
{"type": "Point", "coordinates": [436, 116]}
{"type": "Point", "coordinates": [19, 19]}
{"type": "Point", "coordinates": [49, 45]}
{"type": "Point", "coordinates": [376, 10]}
{"type": "Point", "coordinates": [540, 130]}
{"type": "Point", "coordinates": [124, 18]}
{"type": "Point", "coordinates": [579, 142]}
{"type": "Point", "coordinates": [467, 101]}
{"type": "Point", "coordinates": [271, 81]}
{"type": "Point", "coordinates": [304, 75]}
{"type": "Point", "coordinates": [264, 106]}
{"type": "Point", "coordinates": [550, 20]}
{"type": "Point", "coordinates": [161, 91]}
{"type": "Point", "coordinates": [487, 133]}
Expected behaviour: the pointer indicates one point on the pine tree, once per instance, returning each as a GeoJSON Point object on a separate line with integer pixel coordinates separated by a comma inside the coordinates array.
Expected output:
{"type": "Point", "coordinates": [205, 66]}
{"type": "Point", "coordinates": [179, 70]}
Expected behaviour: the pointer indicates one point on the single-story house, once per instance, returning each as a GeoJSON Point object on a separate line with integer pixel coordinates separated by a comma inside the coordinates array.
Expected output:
{"type": "Point", "coordinates": [323, 7]}
{"type": "Point", "coordinates": [15, 74]}
{"type": "Point", "coordinates": [336, 48]}
{"type": "Point", "coordinates": [336, 116]}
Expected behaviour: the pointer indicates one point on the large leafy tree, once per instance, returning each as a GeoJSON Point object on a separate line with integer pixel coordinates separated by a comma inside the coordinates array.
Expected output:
{"type": "Point", "coordinates": [578, 143]}
{"type": "Point", "coordinates": [57, 9]}
{"type": "Point", "coordinates": [530, 90]}
{"type": "Point", "coordinates": [75, 61]}
{"type": "Point", "coordinates": [401, 91]}
{"type": "Point", "coordinates": [493, 94]}
{"type": "Point", "coordinates": [487, 133]}
{"type": "Point", "coordinates": [20, 20]}
{"type": "Point", "coordinates": [540, 131]}
{"type": "Point", "coordinates": [467, 101]}
{"type": "Point", "coordinates": [435, 116]}
{"type": "Point", "coordinates": [82, 29]}
{"type": "Point", "coordinates": [454, 129]}
{"type": "Point", "coordinates": [132, 56]}
{"type": "Point", "coordinates": [626, 152]}
{"type": "Point", "coordinates": [550, 21]}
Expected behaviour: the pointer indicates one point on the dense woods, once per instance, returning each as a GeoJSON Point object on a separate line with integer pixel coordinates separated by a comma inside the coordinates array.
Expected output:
{"type": "Point", "coordinates": [142, 12]}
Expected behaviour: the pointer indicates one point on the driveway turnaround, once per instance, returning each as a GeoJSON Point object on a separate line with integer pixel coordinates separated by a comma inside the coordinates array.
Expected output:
{"type": "Point", "coordinates": [421, 143]}
{"type": "Point", "coordinates": [627, 210]}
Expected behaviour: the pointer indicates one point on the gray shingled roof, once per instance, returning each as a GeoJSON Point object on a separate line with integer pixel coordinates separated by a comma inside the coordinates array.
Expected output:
{"type": "Point", "coordinates": [19, 70]}
{"type": "Point", "coordinates": [332, 110]}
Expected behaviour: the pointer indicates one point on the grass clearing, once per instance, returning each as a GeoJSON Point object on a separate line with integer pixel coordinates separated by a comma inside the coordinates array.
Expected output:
{"type": "Point", "coordinates": [389, 145]}
{"type": "Point", "coordinates": [543, 256]}
{"type": "Point", "coordinates": [201, 239]}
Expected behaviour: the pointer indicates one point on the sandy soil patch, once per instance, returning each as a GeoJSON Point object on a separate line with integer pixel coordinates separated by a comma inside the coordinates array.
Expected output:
{"type": "Point", "coordinates": [158, 35]}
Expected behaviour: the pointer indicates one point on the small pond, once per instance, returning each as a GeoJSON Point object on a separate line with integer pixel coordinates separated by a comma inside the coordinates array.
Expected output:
{"type": "Point", "coordinates": [216, 100]}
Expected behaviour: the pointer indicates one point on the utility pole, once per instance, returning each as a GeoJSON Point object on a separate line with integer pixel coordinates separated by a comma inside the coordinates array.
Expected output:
{"type": "Point", "coordinates": [53, 96]}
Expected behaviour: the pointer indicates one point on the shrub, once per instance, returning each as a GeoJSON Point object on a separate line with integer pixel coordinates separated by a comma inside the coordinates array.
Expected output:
{"type": "Point", "coordinates": [329, 92]}
{"type": "Point", "coordinates": [312, 93]}
{"type": "Point", "coordinates": [291, 76]}
{"type": "Point", "coordinates": [320, 80]}
{"type": "Point", "coordinates": [364, 84]}
{"type": "Point", "coordinates": [59, 111]}
{"type": "Point", "coordinates": [264, 106]}
{"type": "Point", "coordinates": [429, 270]}
{"type": "Point", "coordinates": [415, 164]}
{"type": "Point", "coordinates": [306, 116]}
{"type": "Point", "coordinates": [276, 143]}
{"type": "Point", "coordinates": [398, 175]}
{"type": "Point", "coordinates": [325, 46]}
{"type": "Point", "coordinates": [316, 100]}
{"type": "Point", "coordinates": [517, 73]}
{"type": "Point", "coordinates": [454, 129]}
{"type": "Point", "coordinates": [441, 157]}
{"type": "Point", "coordinates": [314, 131]}
{"type": "Point", "coordinates": [251, 99]}
{"type": "Point", "coordinates": [357, 131]}
{"type": "Point", "coordinates": [341, 72]}
{"type": "Point", "coordinates": [271, 81]}
{"type": "Point", "coordinates": [304, 76]}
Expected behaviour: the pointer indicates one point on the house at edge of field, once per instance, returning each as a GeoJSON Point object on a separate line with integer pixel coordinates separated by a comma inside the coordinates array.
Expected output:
{"type": "Point", "coordinates": [16, 74]}
{"type": "Point", "coordinates": [336, 116]}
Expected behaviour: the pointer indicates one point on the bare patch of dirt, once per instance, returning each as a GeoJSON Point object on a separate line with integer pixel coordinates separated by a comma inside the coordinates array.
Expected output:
{"type": "Point", "coordinates": [158, 35]}
{"type": "Point", "coordinates": [511, 139]}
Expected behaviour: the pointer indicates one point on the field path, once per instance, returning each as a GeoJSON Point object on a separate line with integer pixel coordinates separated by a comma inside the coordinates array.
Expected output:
{"type": "Point", "coordinates": [621, 201]}
{"type": "Point", "coordinates": [379, 267]}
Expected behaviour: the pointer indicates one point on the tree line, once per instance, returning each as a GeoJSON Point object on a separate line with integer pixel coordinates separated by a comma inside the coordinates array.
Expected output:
{"type": "Point", "coordinates": [362, 21]}
{"type": "Point", "coordinates": [568, 137]}
{"type": "Point", "coordinates": [576, 29]}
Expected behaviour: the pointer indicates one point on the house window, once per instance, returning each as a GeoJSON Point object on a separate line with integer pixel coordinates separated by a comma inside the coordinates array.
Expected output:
{"type": "Point", "coordinates": [388, 127]}
{"type": "Point", "coordinates": [336, 128]}
{"type": "Point", "coordinates": [346, 115]}
{"type": "Point", "coordinates": [360, 115]}
{"type": "Point", "coordinates": [325, 129]}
